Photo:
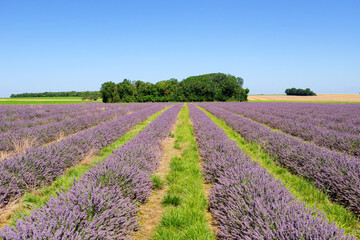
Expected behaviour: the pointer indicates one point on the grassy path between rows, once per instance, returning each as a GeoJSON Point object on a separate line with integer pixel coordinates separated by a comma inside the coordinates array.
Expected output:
{"type": "Point", "coordinates": [185, 203]}
{"type": "Point", "coordinates": [150, 213]}
{"type": "Point", "coordinates": [302, 189]}
{"type": "Point", "coordinates": [36, 199]}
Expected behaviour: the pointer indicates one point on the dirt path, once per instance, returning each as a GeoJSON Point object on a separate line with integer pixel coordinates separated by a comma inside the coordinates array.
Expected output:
{"type": "Point", "coordinates": [151, 212]}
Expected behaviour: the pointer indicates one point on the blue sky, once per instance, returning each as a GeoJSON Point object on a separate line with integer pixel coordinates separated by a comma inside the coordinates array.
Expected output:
{"type": "Point", "coordinates": [64, 45]}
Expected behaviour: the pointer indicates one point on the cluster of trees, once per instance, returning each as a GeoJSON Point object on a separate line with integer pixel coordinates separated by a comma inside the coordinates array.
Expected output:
{"type": "Point", "coordinates": [207, 87]}
{"type": "Point", "coordinates": [91, 96]}
{"type": "Point", "coordinates": [299, 92]}
{"type": "Point", "coordinates": [87, 94]}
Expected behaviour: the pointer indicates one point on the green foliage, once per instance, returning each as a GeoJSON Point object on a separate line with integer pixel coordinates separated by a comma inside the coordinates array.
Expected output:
{"type": "Point", "coordinates": [107, 91]}
{"type": "Point", "coordinates": [170, 199]}
{"type": "Point", "coordinates": [207, 87]}
{"type": "Point", "coordinates": [90, 97]}
{"type": "Point", "coordinates": [94, 94]}
{"type": "Point", "coordinates": [299, 92]}
{"type": "Point", "coordinates": [157, 182]}
{"type": "Point", "coordinates": [198, 88]}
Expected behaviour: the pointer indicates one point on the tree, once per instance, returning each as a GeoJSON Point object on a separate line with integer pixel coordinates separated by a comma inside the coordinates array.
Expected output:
{"type": "Point", "coordinates": [207, 87]}
{"type": "Point", "coordinates": [299, 92]}
{"type": "Point", "coordinates": [167, 90]}
{"type": "Point", "coordinates": [107, 91]}
{"type": "Point", "coordinates": [198, 88]}
{"type": "Point", "coordinates": [56, 94]}
{"type": "Point", "coordinates": [116, 97]}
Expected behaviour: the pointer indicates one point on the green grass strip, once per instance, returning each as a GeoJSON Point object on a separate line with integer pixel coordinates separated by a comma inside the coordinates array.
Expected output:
{"type": "Point", "coordinates": [302, 189]}
{"type": "Point", "coordinates": [185, 203]}
{"type": "Point", "coordinates": [37, 199]}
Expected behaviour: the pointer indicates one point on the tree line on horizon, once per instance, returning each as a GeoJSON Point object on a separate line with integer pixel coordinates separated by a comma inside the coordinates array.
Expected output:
{"type": "Point", "coordinates": [201, 88]}
{"type": "Point", "coordinates": [83, 95]}
{"type": "Point", "coordinates": [299, 92]}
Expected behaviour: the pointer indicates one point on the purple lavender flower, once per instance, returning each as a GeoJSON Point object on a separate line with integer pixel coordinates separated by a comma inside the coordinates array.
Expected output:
{"type": "Point", "coordinates": [246, 201]}
{"type": "Point", "coordinates": [102, 204]}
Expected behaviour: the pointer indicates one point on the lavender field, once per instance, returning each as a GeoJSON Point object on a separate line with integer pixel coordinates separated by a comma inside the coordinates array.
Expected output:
{"type": "Point", "coordinates": [180, 171]}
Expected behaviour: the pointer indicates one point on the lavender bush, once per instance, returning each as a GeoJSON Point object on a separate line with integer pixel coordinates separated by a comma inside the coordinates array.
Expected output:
{"type": "Point", "coordinates": [340, 135]}
{"type": "Point", "coordinates": [339, 117]}
{"type": "Point", "coordinates": [336, 174]}
{"type": "Point", "coordinates": [24, 116]}
{"type": "Point", "coordinates": [246, 201]}
{"type": "Point", "coordinates": [40, 166]}
{"type": "Point", "coordinates": [40, 135]}
{"type": "Point", "coordinates": [102, 204]}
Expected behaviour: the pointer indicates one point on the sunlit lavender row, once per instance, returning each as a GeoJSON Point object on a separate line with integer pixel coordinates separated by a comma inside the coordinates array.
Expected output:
{"type": "Point", "coordinates": [337, 175]}
{"type": "Point", "coordinates": [103, 203]}
{"type": "Point", "coordinates": [340, 117]}
{"type": "Point", "coordinates": [12, 113]}
{"type": "Point", "coordinates": [18, 116]}
{"type": "Point", "coordinates": [41, 165]}
{"type": "Point", "coordinates": [40, 135]}
{"type": "Point", "coordinates": [246, 201]}
{"type": "Point", "coordinates": [23, 116]}
{"type": "Point", "coordinates": [341, 135]}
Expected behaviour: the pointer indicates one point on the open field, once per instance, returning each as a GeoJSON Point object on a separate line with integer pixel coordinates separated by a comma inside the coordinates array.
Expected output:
{"type": "Point", "coordinates": [329, 98]}
{"type": "Point", "coordinates": [220, 170]}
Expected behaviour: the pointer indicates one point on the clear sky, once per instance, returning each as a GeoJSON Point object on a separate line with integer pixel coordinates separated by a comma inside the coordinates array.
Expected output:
{"type": "Point", "coordinates": [64, 45]}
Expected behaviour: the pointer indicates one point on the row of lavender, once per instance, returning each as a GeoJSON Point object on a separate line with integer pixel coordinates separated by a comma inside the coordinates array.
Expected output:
{"type": "Point", "coordinates": [10, 113]}
{"type": "Point", "coordinates": [333, 113]}
{"type": "Point", "coordinates": [246, 201]}
{"type": "Point", "coordinates": [19, 116]}
{"type": "Point", "coordinates": [338, 175]}
{"type": "Point", "coordinates": [307, 130]}
{"type": "Point", "coordinates": [103, 203]}
{"type": "Point", "coordinates": [339, 117]}
{"type": "Point", "coordinates": [43, 117]}
{"type": "Point", "coordinates": [40, 135]}
{"type": "Point", "coordinates": [40, 166]}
